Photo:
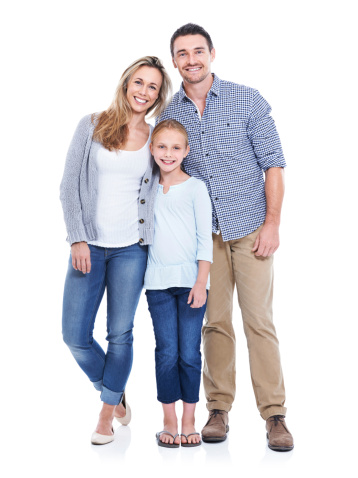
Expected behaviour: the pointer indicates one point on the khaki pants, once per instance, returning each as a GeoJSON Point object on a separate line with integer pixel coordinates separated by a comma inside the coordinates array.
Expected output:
{"type": "Point", "coordinates": [234, 263]}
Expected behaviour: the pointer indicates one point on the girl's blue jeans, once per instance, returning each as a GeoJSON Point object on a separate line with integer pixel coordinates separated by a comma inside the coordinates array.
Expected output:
{"type": "Point", "coordinates": [121, 271]}
{"type": "Point", "coordinates": [177, 329]}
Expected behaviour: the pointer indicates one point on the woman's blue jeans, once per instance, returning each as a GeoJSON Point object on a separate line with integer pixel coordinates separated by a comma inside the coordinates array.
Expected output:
{"type": "Point", "coordinates": [177, 329]}
{"type": "Point", "coordinates": [121, 271]}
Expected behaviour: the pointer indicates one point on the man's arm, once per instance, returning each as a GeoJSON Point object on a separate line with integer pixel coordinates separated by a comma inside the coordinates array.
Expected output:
{"type": "Point", "coordinates": [268, 240]}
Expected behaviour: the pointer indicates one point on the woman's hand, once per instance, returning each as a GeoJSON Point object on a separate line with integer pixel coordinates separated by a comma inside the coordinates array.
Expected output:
{"type": "Point", "coordinates": [197, 295]}
{"type": "Point", "coordinates": [81, 257]}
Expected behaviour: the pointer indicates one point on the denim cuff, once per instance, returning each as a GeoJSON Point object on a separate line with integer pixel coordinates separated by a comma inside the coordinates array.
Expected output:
{"type": "Point", "coordinates": [168, 401]}
{"type": "Point", "coordinates": [112, 398]}
{"type": "Point", "coordinates": [190, 400]}
{"type": "Point", "coordinates": [98, 385]}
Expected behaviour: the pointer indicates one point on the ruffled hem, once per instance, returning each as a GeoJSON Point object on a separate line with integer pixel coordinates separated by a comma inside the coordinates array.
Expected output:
{"type": "Point", "coordinates": [163, 277]}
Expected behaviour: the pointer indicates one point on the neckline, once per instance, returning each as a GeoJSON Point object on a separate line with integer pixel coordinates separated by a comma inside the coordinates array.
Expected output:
{"type": "Point", "coordinates": [173, 186]}
{"type": "Point", "coordinates": [140, 149]}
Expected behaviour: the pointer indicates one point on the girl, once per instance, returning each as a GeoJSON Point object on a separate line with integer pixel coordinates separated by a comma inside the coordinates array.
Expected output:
{"type": "Point", "coordinates": [176, 281]}
{"type": "Point", "coordinates": [107, 160]}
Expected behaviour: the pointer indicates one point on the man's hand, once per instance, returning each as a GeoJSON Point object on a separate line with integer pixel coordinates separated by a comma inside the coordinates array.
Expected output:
{"type": "Point", "coordinates": [197, 295]}
{"type": "Point", "coordinates": [267, 241]}
{"type": "Point", "coordinates": [81, 257]}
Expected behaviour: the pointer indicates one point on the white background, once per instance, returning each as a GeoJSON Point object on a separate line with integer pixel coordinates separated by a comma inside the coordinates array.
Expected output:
{"type": "Point", "coordinates": [62, 60]}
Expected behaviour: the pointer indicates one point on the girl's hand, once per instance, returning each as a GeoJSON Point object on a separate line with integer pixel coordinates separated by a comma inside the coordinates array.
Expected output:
{"type": "Point", "coordinates": [81, 257]}
{"type": "Point", "coordinates": [197, 295]}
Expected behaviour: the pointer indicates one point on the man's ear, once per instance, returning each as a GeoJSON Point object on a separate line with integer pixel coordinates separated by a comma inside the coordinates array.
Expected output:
{"type": "Point", "coordinates": [175, 65]}
{"type": "Point", "coordinates": [212, 54]}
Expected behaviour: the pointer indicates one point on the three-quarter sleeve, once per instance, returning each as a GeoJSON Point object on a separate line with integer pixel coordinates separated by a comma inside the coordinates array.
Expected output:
{"type": "Point", "coordinates": [203, 218]}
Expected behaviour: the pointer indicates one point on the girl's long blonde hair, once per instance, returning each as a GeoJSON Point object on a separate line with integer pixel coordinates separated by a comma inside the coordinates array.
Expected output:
{"type": "Point", "coordinates": [111, 128]}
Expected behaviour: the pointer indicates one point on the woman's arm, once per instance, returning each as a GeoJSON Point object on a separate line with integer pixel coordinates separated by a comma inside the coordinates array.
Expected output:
{"type": "Point", "coordinates": [70, 198]}
{"type": "Point", "coordinates": [81, 257]}
{"type": "Point", "coordinates": [70, 184]}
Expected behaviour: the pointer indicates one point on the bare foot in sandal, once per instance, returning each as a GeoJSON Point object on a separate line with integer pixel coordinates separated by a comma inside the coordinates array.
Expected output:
{"type": "Point", "coordinates": [170, 424]}
{"type": "Point", "coordinates": [167, 438]}
{"type": "Point", "coordinates": [189, 436]}
{"type": "Point", "coordinates": [186, 434]}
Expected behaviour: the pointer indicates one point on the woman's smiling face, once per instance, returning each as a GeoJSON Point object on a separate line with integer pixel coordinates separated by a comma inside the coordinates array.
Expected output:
{"type": "Point", "coordinates": [143, 88]}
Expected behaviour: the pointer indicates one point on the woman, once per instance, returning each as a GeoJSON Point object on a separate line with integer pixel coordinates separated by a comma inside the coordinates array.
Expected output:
{"type": "Point", "coordinates": [107, 194]}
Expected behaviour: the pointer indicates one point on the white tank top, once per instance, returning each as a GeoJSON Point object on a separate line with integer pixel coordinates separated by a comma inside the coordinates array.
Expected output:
{"type": "Point", "coordinates": [120, 176]}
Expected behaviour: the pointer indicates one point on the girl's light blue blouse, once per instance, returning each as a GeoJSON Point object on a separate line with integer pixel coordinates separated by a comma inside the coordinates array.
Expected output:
{"type": "Point", "coordinates": [182, 236]}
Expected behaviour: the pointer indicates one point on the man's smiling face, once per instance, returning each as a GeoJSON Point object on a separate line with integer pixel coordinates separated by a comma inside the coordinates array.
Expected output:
{"type": "Point", "coordinates": [192, 58]}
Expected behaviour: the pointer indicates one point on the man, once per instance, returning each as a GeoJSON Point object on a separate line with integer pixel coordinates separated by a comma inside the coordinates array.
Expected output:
{"type": "Point", "coordinates": [233, 140]}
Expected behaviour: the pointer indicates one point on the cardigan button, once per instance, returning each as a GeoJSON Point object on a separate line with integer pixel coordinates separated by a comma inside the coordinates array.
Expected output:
{"type": "Point", "coordinates": [146, 180]}
{"type": "Point", "coordinates": [142, 201]}
{"type": "Point", "coordinates": [141, 221]}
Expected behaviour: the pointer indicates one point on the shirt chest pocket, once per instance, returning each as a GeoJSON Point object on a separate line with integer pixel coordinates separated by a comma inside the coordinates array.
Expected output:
{"type": "Point", "coordinates": [230, 136]}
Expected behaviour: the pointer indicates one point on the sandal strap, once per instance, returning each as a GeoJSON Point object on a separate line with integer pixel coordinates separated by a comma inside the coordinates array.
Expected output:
{"type": "Point", "coordinates": [168, 433]}
{"type": "Point", "coordinates": [189, 434]}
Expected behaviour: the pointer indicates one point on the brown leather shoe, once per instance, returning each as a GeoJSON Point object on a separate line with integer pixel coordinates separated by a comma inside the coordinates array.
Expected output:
{"type": "Point", "coordinates": [280, 439]}
{"type": "Point", "coordinates": [216, 427]}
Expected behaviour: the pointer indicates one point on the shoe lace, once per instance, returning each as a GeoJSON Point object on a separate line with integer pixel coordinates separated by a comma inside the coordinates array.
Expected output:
{"type": "Point", "coordinates": [213, 414]}
{"type": "Point", "coordinates": [278, 419]}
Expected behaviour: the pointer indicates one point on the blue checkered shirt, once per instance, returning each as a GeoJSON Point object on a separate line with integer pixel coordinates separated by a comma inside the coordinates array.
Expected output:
{"type": "Point", "coordinates": [230, 147]}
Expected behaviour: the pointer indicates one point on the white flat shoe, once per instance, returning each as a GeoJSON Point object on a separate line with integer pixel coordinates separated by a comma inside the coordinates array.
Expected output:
{"type": "Point", "coordinates": [98, 439]}
{"type": "Point", "coordinates": [128, 416]}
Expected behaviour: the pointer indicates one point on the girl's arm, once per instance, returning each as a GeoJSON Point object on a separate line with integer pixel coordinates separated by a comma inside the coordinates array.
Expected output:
{"type": "Point", "coordinates": [198, 292]}
{"type": "Point", "coordinates": [203, 218]}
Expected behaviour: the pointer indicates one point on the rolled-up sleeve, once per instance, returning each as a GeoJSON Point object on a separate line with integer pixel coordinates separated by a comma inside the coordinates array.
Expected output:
{"type": "Point", "coordinates": [263, 135]}
{"type": "Point", "coordinates": [203, 218]}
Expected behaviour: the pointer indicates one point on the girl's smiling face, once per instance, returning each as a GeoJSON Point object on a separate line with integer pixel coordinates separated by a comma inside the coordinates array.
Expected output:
{"type": "Point", "coordinates": [169, 148]}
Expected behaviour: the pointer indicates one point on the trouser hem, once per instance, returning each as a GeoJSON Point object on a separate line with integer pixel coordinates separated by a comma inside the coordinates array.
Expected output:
{"type": "Point", "coordinates": [218, 405]}
{"type": "Point", "coordinates": [190, 401]}
{"type": "Point", "coordinates": [270, 412]}
{"type": "Point", "coordinates": [166, 402]}
{"type": "Point", "coordinates": [112, 398]}
{"type": "Point", "coordinates": [98, 385]}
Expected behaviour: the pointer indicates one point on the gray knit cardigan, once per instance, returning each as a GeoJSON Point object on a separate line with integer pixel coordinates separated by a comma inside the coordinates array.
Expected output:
{"type": "Point", "coordinates": [78, 190]}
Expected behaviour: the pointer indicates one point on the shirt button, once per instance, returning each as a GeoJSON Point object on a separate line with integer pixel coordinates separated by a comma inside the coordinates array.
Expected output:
{"type": "Point", "coordinates": [141, 221]}
{"type": "Point", "coordinates": [228, 124]}
{"type": "Point", "coordinates": [207, 154]}
{"type": "Point", "coordinates": [203, 132]}
{"type": "Point", "coordinates": [216, 199]}
{"type": "Point", "coordinates": [146, 180]}
{"type": "Point", "coordinates": [211, 177]}
{"type": "Point", "coordinates": [142, 201]}
{"type": "Point", "coordinates": [141, 241]}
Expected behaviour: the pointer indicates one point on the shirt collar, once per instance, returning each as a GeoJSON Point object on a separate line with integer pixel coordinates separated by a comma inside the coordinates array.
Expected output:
{"type": "Point", "coordinates": [215, 88]}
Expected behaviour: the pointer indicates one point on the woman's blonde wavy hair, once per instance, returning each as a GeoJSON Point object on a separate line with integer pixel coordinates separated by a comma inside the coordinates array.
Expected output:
{"type": "Point", "coordinates": [111, 128]}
